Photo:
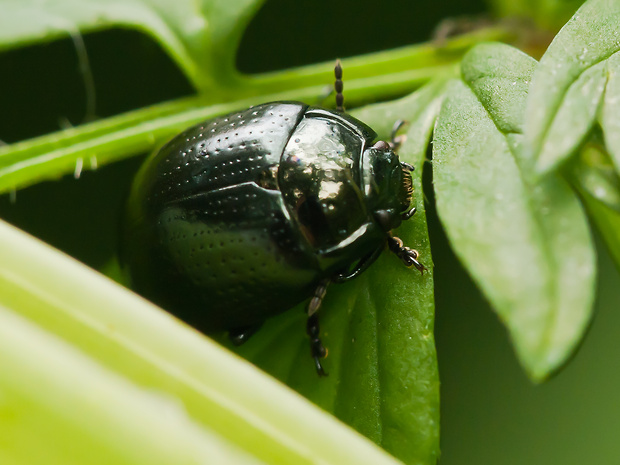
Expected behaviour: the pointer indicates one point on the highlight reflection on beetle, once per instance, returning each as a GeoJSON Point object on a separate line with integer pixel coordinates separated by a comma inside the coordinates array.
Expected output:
{"type": "Point", "coordinates": [243, 216]}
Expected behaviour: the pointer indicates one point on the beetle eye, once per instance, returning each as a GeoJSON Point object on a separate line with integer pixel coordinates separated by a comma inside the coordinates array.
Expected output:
{"type": "Point", "coordinates": [383, 217]}
{"type": "Point", "coordinates": [381, 145]}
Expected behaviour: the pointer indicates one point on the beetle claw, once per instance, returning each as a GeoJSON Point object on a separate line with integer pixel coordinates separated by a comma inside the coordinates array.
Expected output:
{"type": "Point", "coordinates": [319, 367]}
{"type": "Point", "coordinates": [410, 258]}
{"type": "Point", "coordinates": [408, 214]}
{"type": "Point", "coordinates": [407, 255]}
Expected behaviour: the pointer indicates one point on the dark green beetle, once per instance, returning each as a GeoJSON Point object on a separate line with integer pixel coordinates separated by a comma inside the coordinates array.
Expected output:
{"type": "Point", "coordinates": [245, 215]}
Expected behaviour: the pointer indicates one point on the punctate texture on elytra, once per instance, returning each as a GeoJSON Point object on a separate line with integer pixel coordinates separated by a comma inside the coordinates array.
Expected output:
{"type": "Point", "coordinates": [241, 217]}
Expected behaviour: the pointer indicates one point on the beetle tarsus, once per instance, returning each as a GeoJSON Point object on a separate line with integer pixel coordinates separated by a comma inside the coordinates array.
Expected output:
{"type": "Point", "coordinates": [317, 349]}
{"type": "Point", "coordinates": [317, 298]}
{"type": "Point", "coordinates": [408, 256]}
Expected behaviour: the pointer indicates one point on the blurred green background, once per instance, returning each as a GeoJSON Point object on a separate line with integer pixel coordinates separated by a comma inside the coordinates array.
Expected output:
{"type": "Point", "coordinates": [491, 413]}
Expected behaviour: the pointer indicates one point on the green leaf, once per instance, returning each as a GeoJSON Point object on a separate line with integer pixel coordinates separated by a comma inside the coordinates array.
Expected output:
{"type": "Point", "coordinates": [91, 373]}
{"type": "Point", "coordinates": [201, 36]}
{"type": "Point", "coordinates": [549, 14]}
{"type": "Point", "coordinates": [610, 113]}
{"type": "Point", "coordinates": [593, 174]}
{"type": "Point", "coordinates": [569, 84]}
{"type": "Point", "coordinates": [500, 77]}
{"type": "Point", "coordinates": [607, 222]}
{"type": "Point", "coordinates": [527, 246]}
{"type": "Point", "coordinates": [378, 328]}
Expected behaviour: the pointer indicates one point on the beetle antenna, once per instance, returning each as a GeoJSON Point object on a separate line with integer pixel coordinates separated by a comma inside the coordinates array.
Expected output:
{"type": "Point", "coordinates": [338, 86]}
{"type": "Point", "coordinates": [397, 141]}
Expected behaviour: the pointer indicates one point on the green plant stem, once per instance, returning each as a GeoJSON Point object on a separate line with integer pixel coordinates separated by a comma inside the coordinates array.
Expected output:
{"type": "Point", "coordinates": [411, 65]}
{"type": "Point", "coordinates": [376, 76]}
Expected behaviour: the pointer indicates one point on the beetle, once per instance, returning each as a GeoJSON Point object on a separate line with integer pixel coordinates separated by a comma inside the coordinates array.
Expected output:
{"type": "Point", "coordinates": [245, 215]}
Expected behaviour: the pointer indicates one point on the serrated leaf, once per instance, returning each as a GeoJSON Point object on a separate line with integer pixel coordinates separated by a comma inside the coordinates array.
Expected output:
{"type": "Point", "coordinates": [568, 85]}
{"type": "Point", "coordinates": [378, 328]}
{"type": "Point", "coordinates": [91, 373]}
{"type": "Point", "coordinates": [526, 246]}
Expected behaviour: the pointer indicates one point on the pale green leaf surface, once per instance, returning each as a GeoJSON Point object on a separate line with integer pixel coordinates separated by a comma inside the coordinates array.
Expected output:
{"type": "Point", "coordinates": [568, 83]}
{"type": "Point", "coordinates": [77, 411]}
{"type": "Point", "coordinates": [574, 118]}
{"type": "Point", "coordinates": [527, 246]}
{"type": "Point", "coordinates": [82, 357]}
{"type": "Point", "coordinates": [378, 328]}
{"type": "Point", "coordinates": [499, 84]}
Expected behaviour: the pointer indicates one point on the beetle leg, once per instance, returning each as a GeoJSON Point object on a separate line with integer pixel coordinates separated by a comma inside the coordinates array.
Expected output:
{"type": "Point", "coordinates": [362, 265]}
{"type": "Point", "coordinates": [408, 256]}
{"type": "Point", "coordinates": [240, 336]}
{"type": "Point", "coordinates": [317, 349]}
{"type": "Point", "coordinates": [407, 166]}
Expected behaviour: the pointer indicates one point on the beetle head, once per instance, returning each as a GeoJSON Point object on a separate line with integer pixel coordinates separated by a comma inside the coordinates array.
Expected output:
{"type": "Point", "coordinates": [386, 184]}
